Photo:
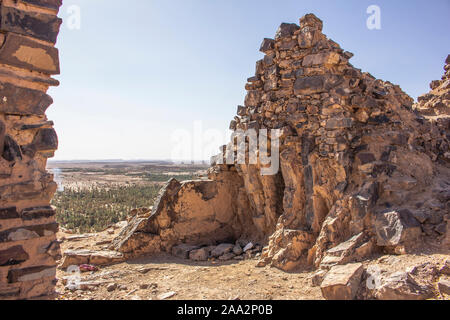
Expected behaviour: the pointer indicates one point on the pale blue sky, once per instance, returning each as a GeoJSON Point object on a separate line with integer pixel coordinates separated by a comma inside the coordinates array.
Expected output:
{"type": "Point", "coordinates": [138, 70]}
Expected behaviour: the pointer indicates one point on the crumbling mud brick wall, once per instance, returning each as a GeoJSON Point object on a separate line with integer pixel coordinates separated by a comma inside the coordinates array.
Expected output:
{"type": "Point", "coordinates": [28, 59]}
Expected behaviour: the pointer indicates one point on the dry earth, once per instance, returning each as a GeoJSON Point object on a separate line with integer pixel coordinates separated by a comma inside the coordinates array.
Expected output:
{"type": "Point", "coordinates": [166, 277]}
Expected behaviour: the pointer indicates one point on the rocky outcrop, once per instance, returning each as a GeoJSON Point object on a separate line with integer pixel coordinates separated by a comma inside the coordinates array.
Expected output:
{"type": "Point", "coordinates": [362, 169]}
{"type": "Point", "coordinates": [28, 58]}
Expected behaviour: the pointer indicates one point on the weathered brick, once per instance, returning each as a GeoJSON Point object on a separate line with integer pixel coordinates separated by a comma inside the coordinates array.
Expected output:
{"type": "Point", "coordinates": [31, 274]}
{"type": "Point", "coordinates": [50, 4]}
{"type": "Point", "coordinates": [339, 123]}
{"type": "Point", "coordinates": [9, 213]}
{"type": "Point", "coordinates": [309, 85]}
{"type": "Point", "coordinates": [38, 25]}
{"type": "Point", "coordinates": [25, 53]}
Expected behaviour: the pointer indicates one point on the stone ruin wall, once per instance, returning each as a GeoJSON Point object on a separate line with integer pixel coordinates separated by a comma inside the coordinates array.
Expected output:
{"type": "Point", "coordinates": [28, 59]}
{"type": "Point", "coordinates": [363, 169]}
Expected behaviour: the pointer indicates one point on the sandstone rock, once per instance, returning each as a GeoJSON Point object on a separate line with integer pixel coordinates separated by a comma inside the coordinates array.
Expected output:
{"type": "Point", "coordinates": [29, 249]}
{"type": "Point", "coordinates": [342, 282]}
{"type": "Point", "coordinates": [13, 256]}
{"type": "Point", "coordinates": [401, 286]}
{"type": "Point", "coordinates": [182, 251]}
{"type": "Point", "coordinates": [38, 25]}
{"type": "Point", "coordinates": [355, 153]}
{"type": "Point", "coordinates": [98, 258]}
{"type": "Point", "coordinates": [311, 21]}
{"type": "Point", "coordinates": [342, 123]}
{"type": "Point", "coordinates": [309, 85]}
{"type": "Point", "coordinates": [104, 258]}
{"type": "Point", "coordinates": [206, 216]}
{"type": "Point", "coordinates": [237, 250]}
{"type": "Point", "coordinates": [31, 274]}
{"type": "Point", "coordinates": [287, 249]}
{"type": "Point", "coordinates": [199, 254]}
{"type": "Point", "coordinates": [397, 227]}
{"type": "Point", "coordinates": [222, 249]}
{"type": "Point", "coordinates": [16, 51]}
{"type": "Point", "coordinates": [22, 234]}
{"type": "Point", "coordinates": [444, 286]}
{"type": "Point", "coordinates": [167, 295]}
{"type": "Point", "coordinates": [23, 101]}
{"type": "Point", "coordinates": [318, 277]}
{"type": "Point", "coordinates": [445, 268]}
{"type": "Point", "coordinates": [227, 256]}
{"type": "Point", "coordinates": [111, 287]}
{"type": "Point", "coordinates": [9, 213]}
{"type": "Point", "coordinates": [50, 4]}
{"type": "Point", "coordinates": [286, 30]}
{"type": "Point", "coordinates": [38, 213]}
{"type": "Point", "coordinates": [75, 258]}
{"type": "Point", "coordinates": [267, 45]}
{"type": "Point", "coordinates": [328, 58]}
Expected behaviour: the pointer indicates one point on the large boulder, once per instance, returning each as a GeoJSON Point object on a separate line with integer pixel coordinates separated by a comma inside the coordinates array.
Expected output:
{"type": "Point", "coordinates": [342, 282]}
{"type": "Point", "coordinates": [397, 228]}
{"type": "Point", "coordinates": [182, 251]}
{"type": "Point", "coordinates": [401, 286]}
{"type": "Point", "coordinates": [199, 254]}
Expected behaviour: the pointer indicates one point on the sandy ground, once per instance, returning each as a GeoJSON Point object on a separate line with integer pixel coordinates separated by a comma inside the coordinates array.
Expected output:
{"type": "Point", "coordinates": [151, 277]}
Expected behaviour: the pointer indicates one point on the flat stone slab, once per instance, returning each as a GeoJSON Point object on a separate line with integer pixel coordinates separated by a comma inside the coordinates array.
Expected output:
{"type": "Point", "coordinates": [98, 258]}
{"type": "Point", "coordinates": [342, 282]}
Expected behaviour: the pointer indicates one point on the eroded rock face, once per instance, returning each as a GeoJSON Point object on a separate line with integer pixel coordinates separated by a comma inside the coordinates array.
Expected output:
{"type": "Point", "coordinates": [434, 107]}
{"type": "Point", "coordinates": [192, 212]}
{"type": "Point", "coordinates": [342, 282]}
{"type": "Point", "coordinates": [28, 58]}
{"type": "Point", "coordinates": [361, 170]}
